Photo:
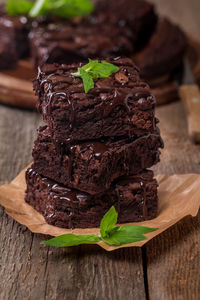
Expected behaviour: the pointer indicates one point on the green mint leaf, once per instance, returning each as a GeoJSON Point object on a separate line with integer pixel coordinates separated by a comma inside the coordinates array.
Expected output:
{"type": "Point", "coordinates": [67, 240]}
{"type": "Point", "coordinates": [138, 229]}
{"type": "Point", "coordinates": [126, 234]}
{"type": "Point", "coordinates": [104, 70]}
{"type": "Point", "coordinates": [62, 8]}
{"type": "Point", "coordinates": [122, 235]}
{"type": "Point", "coordinates": [71, 8]}
{"type": "Point", "coordinates": [108, 222]}
{"type": "Point", "coordinates": [87, 80]}
{"type": "Point", "coordinates": [18, 7]}
{"type": "Point", "coordinates": [95, 70]}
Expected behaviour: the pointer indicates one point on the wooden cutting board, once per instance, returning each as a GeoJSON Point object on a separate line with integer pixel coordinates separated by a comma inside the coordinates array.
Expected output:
{"type": "Point", "coordinates": [16, 85]}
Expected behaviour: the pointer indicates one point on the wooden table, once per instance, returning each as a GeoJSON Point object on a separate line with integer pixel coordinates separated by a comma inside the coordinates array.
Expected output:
{"type": "Point", "coordinates": [167, 268]}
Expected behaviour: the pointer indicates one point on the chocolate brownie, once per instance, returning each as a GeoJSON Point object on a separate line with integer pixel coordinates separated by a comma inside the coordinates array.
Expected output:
{"type": "Point", "coordinates": [92, 166]}
{"type": "Point", "coordinates": [134, 197]}
{"type": "Point", "coordinates": [121, 105]}
{"type": "Point", "coordinates": [20, 27]}
{"type": "Point", "coordinates": [64, 42]}
{"type": "Point", "coordinates": [164, 52]}
{"type": "Point", "coordinates": [137, 15]}
{"type": "Point", "coordinates": [8, 57]}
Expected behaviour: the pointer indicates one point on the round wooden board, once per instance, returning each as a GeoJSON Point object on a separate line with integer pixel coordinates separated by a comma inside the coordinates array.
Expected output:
{"type": "Point", "coordinates": [16, 85]}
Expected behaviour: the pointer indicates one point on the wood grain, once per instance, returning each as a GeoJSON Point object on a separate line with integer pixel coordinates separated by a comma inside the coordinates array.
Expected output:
{"type": "Point", "coordinates": [190, 96]}
{"type": "Point", "coordinates": [173, 258]}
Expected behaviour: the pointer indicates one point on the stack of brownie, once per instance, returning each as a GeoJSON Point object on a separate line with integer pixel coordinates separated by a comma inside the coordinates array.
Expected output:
{"type": "Point", "coordinates": [95, 148]}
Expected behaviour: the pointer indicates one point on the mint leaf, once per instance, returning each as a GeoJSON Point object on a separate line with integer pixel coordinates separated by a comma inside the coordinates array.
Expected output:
{"type": "Point", "coordinates": [67, 240]}
{"type": "Point", "coordinates": [104, 70]}
{"type": "Point", "coordinates": [138, 229]}
{"type": "Point", "coordinates": [60, 8]}
{"type": "Point", "coordinates": [18, 7]}
{"type": "Point", "coordinates": [108, 222]}
{"type": "Point", "coordinates": [127, 234]}
{"type": "Point", "coordinates": [71, 8]}
{"type": "Point", "coordinates": [121, 235]}
{"type": "Point", "coordinates": [95, 70]}
{"type": "Point", "coordinates": [87, 80]}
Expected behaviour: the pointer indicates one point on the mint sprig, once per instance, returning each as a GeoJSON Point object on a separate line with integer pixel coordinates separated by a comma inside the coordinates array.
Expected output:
{"type": "Point", "coordinates": [109, 233]}
{"type": "Point", "coordinates": [67, 240]}
{"type": "Point", "coordinates": [18, 8]}
{"type": "Point", "coordinates": [59, 8]}
{"type": "Point", "coordinates": [94, 70]}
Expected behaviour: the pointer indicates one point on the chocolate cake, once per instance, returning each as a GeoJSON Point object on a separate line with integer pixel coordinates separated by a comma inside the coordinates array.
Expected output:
{"type": "Point", "coordinates": [134, 197]}
{"type": "Point", "coordinates": [164, 52]}
{"type": "Point", "coordinates": [92, 166]}
{"type": "Point", "coordinates": [121, 105]}
{"type": "Point", "coordinates": [68, 42]}
{"type": "Point", "coordinates": [20, 28]}
{"type": "Point", "coordinates": [137, 15]}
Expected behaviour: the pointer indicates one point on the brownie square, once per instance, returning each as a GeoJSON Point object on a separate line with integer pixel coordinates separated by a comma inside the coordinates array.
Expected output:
{"type": "Point", "coordinates": [138, 15]}
{"type": "Point", "coordinates": [121, 105]}
{"type": "Point", "coordinates": [93, 165]}
{"type": "Point", "coordinates": [135, 199]}
{"type": "Point", "coordinates": [20, 28]}
{"type": "Point", "coordinates": [69, 42]}
{"type": "Point", "coordinates": [164, 52]}
{"type": "Point", "coordinates": [8, 56]}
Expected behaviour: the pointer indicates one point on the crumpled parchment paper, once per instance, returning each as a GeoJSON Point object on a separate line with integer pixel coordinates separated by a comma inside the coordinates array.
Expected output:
{"type": "Point", "coordinates": [179, 196]}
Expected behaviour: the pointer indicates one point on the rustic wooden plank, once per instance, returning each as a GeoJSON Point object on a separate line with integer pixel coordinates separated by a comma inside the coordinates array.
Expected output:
{"type": "Point", "coordinates": [173, 258]}
{"type": "Point", "coordinates": [31, 271]}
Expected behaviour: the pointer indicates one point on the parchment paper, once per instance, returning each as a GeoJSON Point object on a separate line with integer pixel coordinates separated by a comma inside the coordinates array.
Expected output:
{"type": "Point", "coordinates": [179, 196]}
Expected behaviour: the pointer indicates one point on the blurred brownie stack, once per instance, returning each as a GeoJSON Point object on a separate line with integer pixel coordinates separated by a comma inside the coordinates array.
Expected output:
{"type": "Point", "coordinates": [95, 148]}
{"type": "Point", "coordinates": [114, 28]}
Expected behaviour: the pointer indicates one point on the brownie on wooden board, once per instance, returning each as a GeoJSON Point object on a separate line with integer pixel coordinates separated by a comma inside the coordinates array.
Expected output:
{"type": "Point", "coordinates": [68, 42]}
{"type": "Point", "coordinates": [93, 165]}
{"type": "Point", "coordinates": [164, 52]}
{"type": "Point", "coordinates": [135, 199]}
{"type": "Point", "coordinates": [121, 105]}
